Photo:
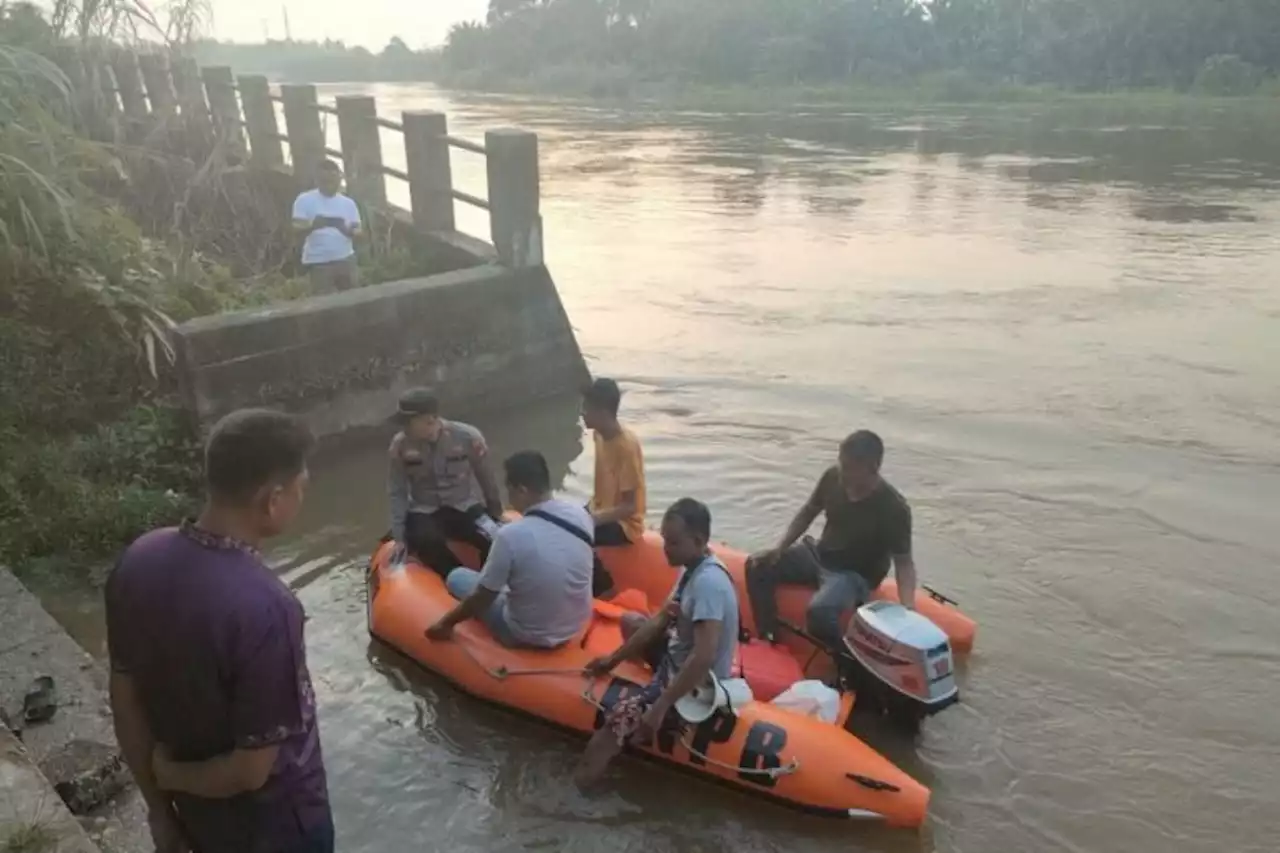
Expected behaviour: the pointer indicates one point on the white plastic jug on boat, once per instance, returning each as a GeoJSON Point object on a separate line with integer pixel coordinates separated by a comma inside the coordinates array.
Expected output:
{"type": "Point", "coordinates": [811, 698]}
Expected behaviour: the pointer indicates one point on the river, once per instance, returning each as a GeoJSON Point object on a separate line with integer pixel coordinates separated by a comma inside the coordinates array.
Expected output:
{"type": "Point", "coordinates": [1066, 324]}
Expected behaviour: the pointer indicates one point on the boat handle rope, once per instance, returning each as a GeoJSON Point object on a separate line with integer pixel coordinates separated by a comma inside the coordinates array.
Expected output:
{"type": "Point", "coordinates": [787, 769]}
{"type": "Point", "coordinates": [501, 673]}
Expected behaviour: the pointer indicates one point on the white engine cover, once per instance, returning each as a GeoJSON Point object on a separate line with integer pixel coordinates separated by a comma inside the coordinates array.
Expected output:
{"type": "Point", "coordinates": [905, 650]}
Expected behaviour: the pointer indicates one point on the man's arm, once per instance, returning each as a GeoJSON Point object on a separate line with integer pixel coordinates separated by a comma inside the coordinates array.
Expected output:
{"type": "Point", "coordinates": [804, 518]}
{"type": "Point", "coordinates": [469, 608]}
{"type": "Point", "coordinates": [630, 475]}
{"type": "Point", "coordinates": [219, 778]}
{"type": "Point", "coordinates": [493, 577]}
{"type": "Point", "coordinates": [133, 733]}
{"type": "Point", "coordinates": [397, 491]}
{"type": "Point", "coordinates": [904, 565]}
{"type": "Point", "coordinates": [706, 639]}
{"type": "Point", "coordinates": [653, 627]}
{"type": "Point", "coordinates": [353, 225]}
{"type": "Point", "coordinates": [304, 221]}
{"type": "Point", "coordinates": [479, 455]}
{"type": "Point", "coordinates": [625, 509]}
{"type": "Point", "coordinates": [270, 703]}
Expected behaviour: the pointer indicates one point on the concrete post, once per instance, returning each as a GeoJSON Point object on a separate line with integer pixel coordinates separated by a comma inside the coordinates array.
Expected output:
{"type": "Point", "coordinates": [430, 173]}
{"type": "Point", "coordinates": [128, 84]}
{"type": "Point", "coordinates": [220, 87]}
{"type": "Point", "coordinates": [362, 148]}
{"type": "Point", "coordinates": [514, 220]}
{"type": "Point", "coordinates": [195, 111]}
{"type": "Point", "coordinates": [306, 138]}
{"type": "Point", "coordinates": [260, 120]}
{"type": "Point", "coordinates": [106, 81]}
{"type": "Point", "coordinates": [155, 74]}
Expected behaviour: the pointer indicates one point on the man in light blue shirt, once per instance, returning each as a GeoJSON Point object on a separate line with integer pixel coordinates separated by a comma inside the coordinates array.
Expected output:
{"type": "Point", "coordinates": [535, 588]}
{"type": "Point", "coordinates": [331, 222]}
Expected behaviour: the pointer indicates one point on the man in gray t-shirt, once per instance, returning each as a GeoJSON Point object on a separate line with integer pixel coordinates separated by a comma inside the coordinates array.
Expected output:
{"type": "Point", "coordinates": [700, 626]}
{"type": "Point", "coordinates": [535, 587]}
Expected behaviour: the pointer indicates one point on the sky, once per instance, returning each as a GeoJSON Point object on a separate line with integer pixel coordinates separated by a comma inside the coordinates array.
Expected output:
{"type": "Point", "coordinates": [370, 23]}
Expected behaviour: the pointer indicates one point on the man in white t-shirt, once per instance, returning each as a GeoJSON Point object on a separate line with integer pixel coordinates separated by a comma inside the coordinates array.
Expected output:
{"type": "Point", "coordinates": [331, 222]}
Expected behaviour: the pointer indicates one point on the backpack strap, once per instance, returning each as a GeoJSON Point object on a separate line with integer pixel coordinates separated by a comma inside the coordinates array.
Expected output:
{"type": "Point", "coordinates": [572, 529]}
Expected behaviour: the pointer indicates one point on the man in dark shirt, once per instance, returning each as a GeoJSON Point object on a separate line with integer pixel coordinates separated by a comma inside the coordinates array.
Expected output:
{"type": "Point", "coordinates": [868, 525]}
{"type": "Point", "coordinates": [212, 700]}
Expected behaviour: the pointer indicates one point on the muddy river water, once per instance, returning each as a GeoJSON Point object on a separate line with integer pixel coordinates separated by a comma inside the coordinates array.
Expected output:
{"type": "Point", "coordinates": [1066, 324]}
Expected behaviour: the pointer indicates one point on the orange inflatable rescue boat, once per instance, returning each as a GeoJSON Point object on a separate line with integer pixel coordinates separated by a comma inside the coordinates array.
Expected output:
{"type": "Point", "coordinates": [759, 747]}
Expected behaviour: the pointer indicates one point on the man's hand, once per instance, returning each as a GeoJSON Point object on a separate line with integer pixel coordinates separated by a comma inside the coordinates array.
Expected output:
{"type": "Point", "coordinates": [441, 632]}
{"type": "Point", "coordinates": [597, 667]}
{"type": "Point", "coordinates": [165, 833]}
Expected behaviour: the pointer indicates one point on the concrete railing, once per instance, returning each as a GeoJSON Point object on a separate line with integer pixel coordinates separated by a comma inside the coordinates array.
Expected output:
{"type": "Point", "coordinates": [484, 335]}
{"type": "Point", "coordinates": [215, 106]}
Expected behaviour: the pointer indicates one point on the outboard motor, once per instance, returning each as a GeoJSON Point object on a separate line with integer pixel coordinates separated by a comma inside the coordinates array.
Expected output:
{"type": "Point", "coordinates": [901, 663]}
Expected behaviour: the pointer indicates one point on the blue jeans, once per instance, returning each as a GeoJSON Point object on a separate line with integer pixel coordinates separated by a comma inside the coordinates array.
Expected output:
{"type": "Point", "coordinates": [461, 583]}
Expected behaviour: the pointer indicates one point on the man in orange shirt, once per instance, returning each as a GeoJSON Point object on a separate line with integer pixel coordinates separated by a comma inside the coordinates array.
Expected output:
{"type": "Point", "coordinates": [618, 502]}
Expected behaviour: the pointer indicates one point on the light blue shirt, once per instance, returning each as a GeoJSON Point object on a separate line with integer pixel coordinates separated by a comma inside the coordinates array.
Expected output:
{"type": "Point", "coordinates": [710, 596]}
{"type": "Point", "coordinates": [325, 245]}
{"type": "Point", "coordinates": [546, 572]}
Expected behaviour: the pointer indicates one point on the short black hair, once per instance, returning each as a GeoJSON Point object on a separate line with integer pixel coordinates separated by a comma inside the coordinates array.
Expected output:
{"type": "Point", "coordinates": [604, 394]}
{"type": "Point", "coordinates": [327, 165]}
{"type": "Point", "coordinates": [250, 448]}
{"type": "Point", "coordinates": [694, 514]}
{"type": "Point", "coordinates": [864, 446]}
{"type": "Point", "coordinates": [528, 470]}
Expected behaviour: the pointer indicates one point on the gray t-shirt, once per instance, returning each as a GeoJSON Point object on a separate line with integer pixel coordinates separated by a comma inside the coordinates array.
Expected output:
{"type": "Point", "coordinates": [546, 572]}
{"type": "Point", "coordinates": [709, 595]}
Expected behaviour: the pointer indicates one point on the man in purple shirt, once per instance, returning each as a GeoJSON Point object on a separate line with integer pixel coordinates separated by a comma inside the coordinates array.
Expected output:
{"type": "Point", "coordinates": [213, 703]}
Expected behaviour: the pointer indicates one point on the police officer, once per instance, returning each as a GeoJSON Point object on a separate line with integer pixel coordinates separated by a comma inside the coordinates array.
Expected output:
{"type": "Point", "coordinates": [440, 484]}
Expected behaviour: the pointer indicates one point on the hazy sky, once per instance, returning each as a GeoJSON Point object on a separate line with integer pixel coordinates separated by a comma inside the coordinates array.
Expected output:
{"type": "Point", "coordinates": [367, 22]}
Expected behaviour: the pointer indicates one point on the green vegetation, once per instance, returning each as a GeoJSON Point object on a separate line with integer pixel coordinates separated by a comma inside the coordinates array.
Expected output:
{"type": "Point", "coordinates": [320, 62]}
{"type": "Point", "coordinates": [942, 49]}
{"type": "Point", "coordinates": [821, 50]}
{"type": "Point", "coordinates": [107, 239]}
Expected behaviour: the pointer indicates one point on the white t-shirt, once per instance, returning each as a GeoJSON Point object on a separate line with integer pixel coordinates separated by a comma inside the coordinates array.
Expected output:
{"type": "Point", "coordinates": [546, 572]}
{"type": "Point", "coordinates": [325, 245]}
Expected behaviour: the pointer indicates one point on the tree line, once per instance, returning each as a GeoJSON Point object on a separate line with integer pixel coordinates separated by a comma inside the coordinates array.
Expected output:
{"type": "Point", "coordinates": [1223, 46]}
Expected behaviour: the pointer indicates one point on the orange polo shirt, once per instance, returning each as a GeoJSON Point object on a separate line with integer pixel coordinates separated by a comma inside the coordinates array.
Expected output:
{"type": "Point", "coordinates": [620, 468]}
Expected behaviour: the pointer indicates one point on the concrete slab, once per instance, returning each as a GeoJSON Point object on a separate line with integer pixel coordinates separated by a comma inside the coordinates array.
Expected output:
{"type": "Point", "coordinates": [74, 754]}
{"type": "Point", "coordinates": [33, 819]}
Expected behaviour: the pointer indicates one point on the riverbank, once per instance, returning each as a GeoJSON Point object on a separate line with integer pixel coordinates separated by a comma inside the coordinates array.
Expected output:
{"type": "Point", "coordinates": [64, 780]}
{"type": "Point", "coordinates": [617, 85]}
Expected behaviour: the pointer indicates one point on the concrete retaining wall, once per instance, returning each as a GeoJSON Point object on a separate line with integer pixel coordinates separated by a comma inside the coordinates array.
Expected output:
{"type": "Point", "coordinates": [484, 338]}
{"type": "Point", "coordinates": [71, 761]}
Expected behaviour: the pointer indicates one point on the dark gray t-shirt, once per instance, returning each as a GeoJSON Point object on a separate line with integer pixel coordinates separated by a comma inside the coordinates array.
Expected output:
{"type": "Point", "coordinates": [709, 595]}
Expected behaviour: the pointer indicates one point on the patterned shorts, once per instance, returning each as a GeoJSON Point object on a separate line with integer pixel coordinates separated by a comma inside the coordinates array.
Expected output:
{"type": "Point", "coordinates": [624, 717]}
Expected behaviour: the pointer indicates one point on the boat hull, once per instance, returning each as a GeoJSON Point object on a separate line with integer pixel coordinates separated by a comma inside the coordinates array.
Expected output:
{"type": "Point", "coordinates": [761, 749]}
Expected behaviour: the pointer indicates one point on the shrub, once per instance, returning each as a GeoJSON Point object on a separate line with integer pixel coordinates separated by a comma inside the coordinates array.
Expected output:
{"type": "Point", "coordinates": [1227, 74]}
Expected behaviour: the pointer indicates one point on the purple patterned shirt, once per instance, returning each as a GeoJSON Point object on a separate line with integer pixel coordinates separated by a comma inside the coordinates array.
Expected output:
{"type": "Point", "coordinates": [213, 641]}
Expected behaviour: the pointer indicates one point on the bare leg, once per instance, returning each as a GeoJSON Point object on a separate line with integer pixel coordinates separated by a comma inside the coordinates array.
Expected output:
{"type": "Point", "coordinates": [601, 749]}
